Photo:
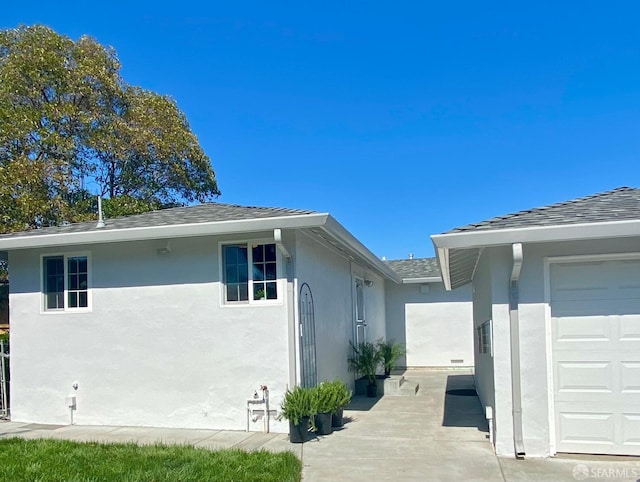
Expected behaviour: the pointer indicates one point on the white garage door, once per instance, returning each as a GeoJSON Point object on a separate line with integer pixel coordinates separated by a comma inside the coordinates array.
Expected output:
{"type": "Point", "coordinates": [595, 310]}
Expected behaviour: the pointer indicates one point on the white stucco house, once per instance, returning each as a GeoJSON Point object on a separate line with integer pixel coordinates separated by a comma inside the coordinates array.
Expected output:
{"type": "Point", "coordinates": [435, 325]}
{"type": "Point", "coordinates": [176, 318]}
{"type": "Point", "coordinates": [556, 311]}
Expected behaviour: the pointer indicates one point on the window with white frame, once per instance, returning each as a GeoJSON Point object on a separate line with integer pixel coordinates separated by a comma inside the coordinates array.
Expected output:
{"type": "Point", "coordinates": [484, 337]}
{"type": "Point", "coordinates": [250, 272]}
{"type": "Point", "coordinates": [65, 283]}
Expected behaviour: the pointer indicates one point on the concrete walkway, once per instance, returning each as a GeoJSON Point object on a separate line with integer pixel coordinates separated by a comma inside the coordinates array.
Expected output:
{"type": "Point", "coordinates": [438, 435]}
{"type": "Point", "coordinates": [210, 439]}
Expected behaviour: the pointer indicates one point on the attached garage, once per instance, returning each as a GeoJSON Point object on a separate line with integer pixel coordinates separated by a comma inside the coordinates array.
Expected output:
{"type": "Point", "coordinates": [595, 326]}
{"type": "Point", "coordinates": [559, 287]}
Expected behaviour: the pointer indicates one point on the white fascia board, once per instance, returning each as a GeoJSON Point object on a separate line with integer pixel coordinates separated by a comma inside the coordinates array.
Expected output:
{"type": "Point", "coordinates": [568, 232]}
{"type": "Point", "coordinates": [443, 260]}
{"type": "Point", "coordinates": [432, 279]}
{"type": "Point", "coordinates": [107, 235]}
{"type": "Point", "coordinates": [338, 231]}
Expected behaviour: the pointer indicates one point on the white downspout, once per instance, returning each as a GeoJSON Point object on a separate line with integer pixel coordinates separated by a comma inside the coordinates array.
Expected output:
{"type": "Point", "coordinates": [291, 315]}
{"type": "Point", "coordinates": [516, 389]}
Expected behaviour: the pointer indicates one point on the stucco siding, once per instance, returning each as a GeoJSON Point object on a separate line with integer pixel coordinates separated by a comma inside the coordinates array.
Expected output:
{"type": "Point", "coordinates": [329, 278]}
{"type": "Point", "coordinates": [483, 372]}
{"type": "Point", "coordinates": [503, 407]}
{"type": "Point", "coordinates": [436, 327]}
{"type": "Point", "coordinates": [158, 347]}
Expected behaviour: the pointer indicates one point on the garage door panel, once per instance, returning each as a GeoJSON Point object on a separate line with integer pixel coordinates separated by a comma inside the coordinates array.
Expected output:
{"type": "Point", "coordinates": [566, 277]}
{"type": "Point", "coordinates": [595, 307]}
{"type": "Point", "coordinates": [630, 377]}
{"type": "Point", "coordinates": [631, 429]}
{"type": "Point", "coordinates": [630, 328]}
{"type": "Point", "coordinates": [595, 316]}
{"type": "Point", "coordinates": [586, 427]}
{"type": "Point", "coordinates": [580, 294]}
{"type": "Point", "coordinates": [576, 328]}
{"type": "Point", "coordinates": [584, 377]}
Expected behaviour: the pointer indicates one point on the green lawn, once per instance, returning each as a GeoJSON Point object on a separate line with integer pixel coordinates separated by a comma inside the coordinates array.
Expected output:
{"type": "Point", "coordinates": [61, 460]}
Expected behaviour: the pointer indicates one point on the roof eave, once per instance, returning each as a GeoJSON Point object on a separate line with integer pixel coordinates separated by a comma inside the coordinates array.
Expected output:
{"type": "Point", "coordinates": [566, 232]}
{"type": "Point", "coordinates": [443, 260]}
{"type": "Point", "coordinates": [445, 243]}
{"type": "Point", "coordinates": [161, 232]}
{"type": "Point", "coordinates": [338, 231]}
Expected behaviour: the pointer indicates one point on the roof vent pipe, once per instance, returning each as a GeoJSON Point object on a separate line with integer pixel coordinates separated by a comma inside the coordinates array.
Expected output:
{"type": "Point", "coordinates": [100, 218]}
{"type": "Point", "coordinates": [516, 389]}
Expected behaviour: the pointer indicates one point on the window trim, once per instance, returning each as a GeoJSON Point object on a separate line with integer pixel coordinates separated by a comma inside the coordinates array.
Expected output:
{"type": "Point", "coordinates": [485, 338]}
{"type": "Point", "coordinates": [251, 301]}
{"type": "Point", "coordinates": [66, 309]}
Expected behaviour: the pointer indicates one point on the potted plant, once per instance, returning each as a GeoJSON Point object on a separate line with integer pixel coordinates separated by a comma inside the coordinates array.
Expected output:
{"type": "Point", "coordinates": [297, 407]}
{"type": "Point", "coordinates": [323, 406]}
{"type": "Point", "coordinates": [365, 359]}
{"type": "Point", "coordinates": [340, 398]}
{"type": "Point", "coordinates": [390, 353]}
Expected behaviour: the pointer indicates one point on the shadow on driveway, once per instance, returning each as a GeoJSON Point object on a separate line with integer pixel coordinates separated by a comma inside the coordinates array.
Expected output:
{"type": "Point", "coordinates": [362, 404]}
{"type": "Point", "coordinates": [461, 404]}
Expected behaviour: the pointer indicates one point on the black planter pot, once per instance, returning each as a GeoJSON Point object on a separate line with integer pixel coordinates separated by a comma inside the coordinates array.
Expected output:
{"type": "Point", "coordinates": [323, 423]}
{"type": "Point", "coordinates": [372, 390]}
{"type": "Point", "coordinates": [298, 433]}
{"type": "Point", "coordinates": [336, 419]}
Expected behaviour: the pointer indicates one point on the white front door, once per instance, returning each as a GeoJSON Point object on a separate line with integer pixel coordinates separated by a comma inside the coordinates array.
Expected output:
{"type": "Point", "coordinates": [595, 317]}
{"type": "Point", "coordinates": [360, 319]}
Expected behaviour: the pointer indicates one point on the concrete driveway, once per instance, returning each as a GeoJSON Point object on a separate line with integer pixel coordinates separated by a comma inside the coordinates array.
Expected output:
{"type": "Point", "coordinates": [440, 434]}
{"type": "Point", "coordinates": [429, 437]}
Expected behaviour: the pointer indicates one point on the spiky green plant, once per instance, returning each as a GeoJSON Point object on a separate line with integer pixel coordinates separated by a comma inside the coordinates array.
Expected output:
{"type": "Point", "coordinates": [338, 394]}
{"type": "Point", "coordinates": [365, 359]}
{"type": "Point", "coordinates": [297, 404]}
{"type": "Point", "coordinates": [391, 352]}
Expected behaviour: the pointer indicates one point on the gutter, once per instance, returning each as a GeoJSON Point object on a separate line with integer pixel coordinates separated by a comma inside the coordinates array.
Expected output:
{"type": "Point", "coordinates": [33, 239]}
{"type": "Point", "coordinates": [516, 382]}
{"type": "Point", "coordinates": [429, 279]}
{"type": "Point", "coordinates": [564, 232]}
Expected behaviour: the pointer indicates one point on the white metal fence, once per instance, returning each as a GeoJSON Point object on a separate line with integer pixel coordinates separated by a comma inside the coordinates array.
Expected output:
{"type": "Point", "coordinates": [4, 379]}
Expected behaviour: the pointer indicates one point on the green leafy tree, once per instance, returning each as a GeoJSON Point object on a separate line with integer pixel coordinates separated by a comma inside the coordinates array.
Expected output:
{"type": "Point", "coordinates": [71, 128]}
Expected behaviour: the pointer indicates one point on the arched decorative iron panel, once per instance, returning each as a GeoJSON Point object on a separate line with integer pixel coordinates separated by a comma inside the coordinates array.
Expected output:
{"type": "Point", "coordinates": [309, 374]}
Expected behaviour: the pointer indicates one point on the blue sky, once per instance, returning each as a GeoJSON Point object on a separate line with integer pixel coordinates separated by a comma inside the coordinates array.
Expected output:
{"type": "Point", "coordinates": [401, 119]}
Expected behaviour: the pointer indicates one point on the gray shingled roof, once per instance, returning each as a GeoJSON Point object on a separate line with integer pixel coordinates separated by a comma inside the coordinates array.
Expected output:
{"type": "Point", "coordinates": [201, 213]}
{"type": "Point", "coordinates": [415, 268]}
{"type": "Point", "coordinates": [620, 204]}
